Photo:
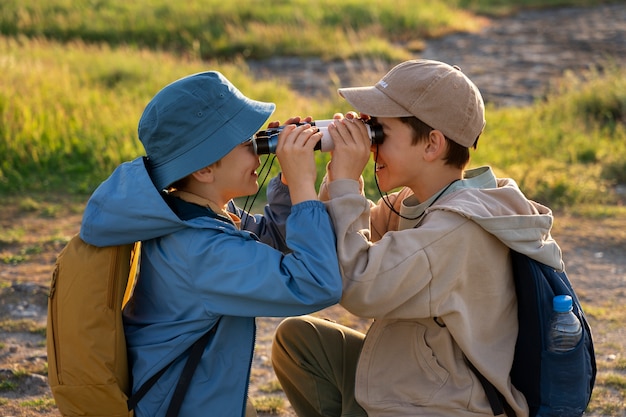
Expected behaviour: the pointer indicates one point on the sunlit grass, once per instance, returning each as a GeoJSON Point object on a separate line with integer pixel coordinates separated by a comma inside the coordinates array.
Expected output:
{"type": "Point", "coordinates": [10, 235]}
{"type": "Point", "coordinates": [22, 325]}
{"type": "Point", "coordinates": [567, 149]}
{"type": "Point", "coordinates": [256, 29]}
{"type": "Point", "coordinates": [69, 110]}
{"type": "Point", "coordinates": [65, 124]}
{"type": "Point", "coordinates": [271, 387]}
{"type": "Point", "coordinates": [270, 404]}
{"type": "Point", "coordinates": [39, 404]}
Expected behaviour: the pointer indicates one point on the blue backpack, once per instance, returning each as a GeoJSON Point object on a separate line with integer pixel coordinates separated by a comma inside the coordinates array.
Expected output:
{"type": "Point", "coordinates": [554, 384]}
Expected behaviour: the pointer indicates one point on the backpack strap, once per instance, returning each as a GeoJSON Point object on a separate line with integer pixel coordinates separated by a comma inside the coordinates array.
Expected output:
{"type": "Point", "coordinates": [498, 404]}
{"type": "Point", "coordinates": [197, 349]}
{"type": "Point", "coordinates": [195, 353]}
{"type": "Point", "coordinates": [492, 393]}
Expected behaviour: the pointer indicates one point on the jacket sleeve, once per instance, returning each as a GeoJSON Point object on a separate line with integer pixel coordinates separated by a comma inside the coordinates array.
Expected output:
{"type": "Point", "coordinates": [244, 277]}
{"type": "Point", "coordinates": [382, 218]}
{"type": "Point", "coordinates": [269, 227]}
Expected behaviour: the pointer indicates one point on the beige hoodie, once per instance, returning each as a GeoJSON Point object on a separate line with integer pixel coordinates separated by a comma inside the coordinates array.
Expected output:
{"type": "Point", "coordinates": [437, 291]}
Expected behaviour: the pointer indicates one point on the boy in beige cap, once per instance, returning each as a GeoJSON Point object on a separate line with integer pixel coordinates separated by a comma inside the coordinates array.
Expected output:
{"type": "Point", "coordinates": [429, 263]}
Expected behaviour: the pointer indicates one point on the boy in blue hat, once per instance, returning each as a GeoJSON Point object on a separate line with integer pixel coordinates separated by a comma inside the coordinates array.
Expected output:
{"type": "Point", "coordinates": [200, 263]}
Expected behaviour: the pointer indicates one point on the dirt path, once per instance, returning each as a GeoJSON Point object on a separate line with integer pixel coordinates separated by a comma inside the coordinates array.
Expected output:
{"type": "Point", "coordinates": [512, 60]}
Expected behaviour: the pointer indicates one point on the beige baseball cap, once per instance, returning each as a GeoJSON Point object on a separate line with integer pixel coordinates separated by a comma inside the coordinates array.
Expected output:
{"type": "Point", "coordinates": [438, 94]}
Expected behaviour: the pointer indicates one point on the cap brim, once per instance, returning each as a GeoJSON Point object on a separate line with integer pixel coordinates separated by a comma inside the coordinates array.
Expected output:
{"type": "Point", "coordinates": [373, 102]}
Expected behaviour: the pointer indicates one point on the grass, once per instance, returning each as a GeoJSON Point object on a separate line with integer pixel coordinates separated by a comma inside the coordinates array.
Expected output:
{"type": "Point", "coordinates": [568, 148]}
{"type": "Point", "coordinates": [8, 386]}
{"type": "Point", "coordinates": [68, 117]}
{"type": "Point", "coordinates": [269, 404]}
{"type": "Point", "coordinates": [252, 29]}
{"type": "Point", "coordinates": [22, 325]}
{"type": "Point", "coordinates": [504, 7]}
{"type": "Point", "coordinates": [39, 404]}
{"type": "Point", "coordinates": [23, 255]}
{"type": "Point", "coordinates": [65, 123]}
{"type": "Point", "coordinates": [10, 236]}
{"type": "Point", "coordinates": [256, 29]}
{"type": "Point", "coordinates": [12, 381]}
{"type": "Point", "coordinates": [270, 387]}
{"type": "Point", "coordinates": [71, 93]}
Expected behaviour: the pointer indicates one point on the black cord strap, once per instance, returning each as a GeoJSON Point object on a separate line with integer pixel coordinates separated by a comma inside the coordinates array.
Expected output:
{"type": "Point", "coordinates": [492, 393]}
{"type": "Point", "coordinates": [195, 354]}
{"type": "Point", "coordinates": [197, 349]}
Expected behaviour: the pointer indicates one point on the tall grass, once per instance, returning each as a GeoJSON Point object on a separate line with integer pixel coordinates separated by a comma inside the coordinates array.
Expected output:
{"type": "Point", "coordinates": [248, 28]}
{"type": "Point", "coordinates": [77, 75]}
{"type": "Point", "coordinates": [257, 28]}
{"type": "Point", "coordinates": [567, 149]}
{"type": "Point", "coordinates": [69, 113]}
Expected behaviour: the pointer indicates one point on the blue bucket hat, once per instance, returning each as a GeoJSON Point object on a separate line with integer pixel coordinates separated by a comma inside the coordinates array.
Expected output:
{"type": "Point", "coordinates": [194, 122]}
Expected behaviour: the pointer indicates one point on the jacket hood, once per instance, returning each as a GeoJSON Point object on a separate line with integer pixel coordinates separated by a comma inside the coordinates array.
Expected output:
{"type": "Point", "coordinates": [116, 212]}
{"type": "Point", "coordinates": [521, 224]}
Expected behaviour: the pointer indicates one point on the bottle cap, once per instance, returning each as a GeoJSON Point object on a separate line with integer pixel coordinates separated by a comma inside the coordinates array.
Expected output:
{"type": "Point", "coordinates": [562, 303]}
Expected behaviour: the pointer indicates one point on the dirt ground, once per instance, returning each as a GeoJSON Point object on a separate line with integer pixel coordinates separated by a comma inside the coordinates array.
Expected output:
{"type": "Point", "coordinates": [594, 251]}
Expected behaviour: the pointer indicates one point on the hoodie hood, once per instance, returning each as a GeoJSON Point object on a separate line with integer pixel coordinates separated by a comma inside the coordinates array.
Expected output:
{"type": "Point", "coordinates": [116, 212]}
{"type": "Point", "coordinates": [521, 224]}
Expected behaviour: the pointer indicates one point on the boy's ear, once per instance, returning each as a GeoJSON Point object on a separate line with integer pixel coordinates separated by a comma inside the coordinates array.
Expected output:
{"type": "Point", "coordinates": [435, 146]}
{"type": "Point", "coordinates": [204, 175]}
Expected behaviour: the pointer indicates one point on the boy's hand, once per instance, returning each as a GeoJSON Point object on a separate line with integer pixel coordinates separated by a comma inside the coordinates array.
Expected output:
{"type": "Point", "coordinates": [352, 148]}
{"type": "Point", "coordinates": [297, 160]}
{"type": "Point", "coordinates": [290, 121]}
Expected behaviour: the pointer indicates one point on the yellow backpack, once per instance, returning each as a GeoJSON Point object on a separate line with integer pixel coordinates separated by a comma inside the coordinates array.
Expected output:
{"type": "Point", "coordinates": [87, 363]}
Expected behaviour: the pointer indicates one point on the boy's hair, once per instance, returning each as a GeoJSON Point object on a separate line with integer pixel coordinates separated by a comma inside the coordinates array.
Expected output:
{"type": "Point", "coordinates": [457, 155]}
{"type": "Point", "coordinates": [182, 183]}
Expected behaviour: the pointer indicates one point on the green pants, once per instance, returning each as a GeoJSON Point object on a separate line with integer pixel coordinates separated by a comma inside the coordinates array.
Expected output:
{"type": "Point", "coordinates": [315, 361]}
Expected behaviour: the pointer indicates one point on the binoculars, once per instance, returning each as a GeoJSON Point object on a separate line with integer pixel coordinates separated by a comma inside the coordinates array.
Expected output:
{"type": "Point", "coordinates": [265, 141]}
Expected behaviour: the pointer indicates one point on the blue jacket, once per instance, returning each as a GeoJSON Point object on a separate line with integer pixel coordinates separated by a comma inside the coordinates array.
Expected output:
{"type": "Point", "coordinates": [197, 266]}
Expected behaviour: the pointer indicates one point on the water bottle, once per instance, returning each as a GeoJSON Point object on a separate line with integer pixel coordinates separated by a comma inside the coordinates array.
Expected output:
{"type": "Point", "coordinates": [565, 329]}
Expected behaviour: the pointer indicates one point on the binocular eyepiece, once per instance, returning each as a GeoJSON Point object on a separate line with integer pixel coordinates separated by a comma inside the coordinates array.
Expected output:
{"type": "Point", "coordinates": [265, 141]}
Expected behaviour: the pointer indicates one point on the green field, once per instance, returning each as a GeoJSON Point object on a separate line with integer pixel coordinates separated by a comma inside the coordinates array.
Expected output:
{"type": "Point", "coordinates": [76, 76]}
